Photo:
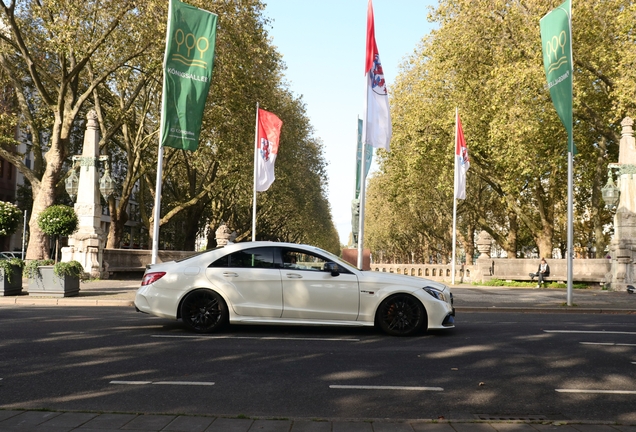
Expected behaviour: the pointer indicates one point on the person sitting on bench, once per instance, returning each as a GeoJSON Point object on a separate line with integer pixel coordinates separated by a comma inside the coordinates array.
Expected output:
{"type": "Point", "coordinates": [542, 272]}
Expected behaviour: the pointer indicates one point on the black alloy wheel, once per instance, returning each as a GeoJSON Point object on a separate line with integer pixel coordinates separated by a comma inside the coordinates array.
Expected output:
{"type": "Point", "coordinates": [203, 311]}
{"type": "Point", "coordinates": [401, 315]}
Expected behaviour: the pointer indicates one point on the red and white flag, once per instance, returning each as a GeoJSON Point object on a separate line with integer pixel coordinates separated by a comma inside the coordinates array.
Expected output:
{"type": "Point", "coordinates": [267, 148]}
{"type": "Point", "coordinates": [377, 129]}
{"type": "Point", "coordinates": [462, 162]}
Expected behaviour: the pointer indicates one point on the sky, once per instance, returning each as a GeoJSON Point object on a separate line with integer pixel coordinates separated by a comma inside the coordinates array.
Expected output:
{"type": "Point", "coordinates": [323, 45]}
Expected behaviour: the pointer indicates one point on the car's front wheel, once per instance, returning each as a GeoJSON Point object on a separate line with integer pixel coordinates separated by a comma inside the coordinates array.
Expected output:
{"type": "Point", "coordinates": [204, 311]}
{"type": "Point", "coordinates": [401, 315]}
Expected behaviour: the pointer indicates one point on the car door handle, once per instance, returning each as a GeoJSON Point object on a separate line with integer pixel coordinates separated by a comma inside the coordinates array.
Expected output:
{"type": "Point", "coordinates": [228, 274]}
{"type": "Point", "coordinates": [293, 276]}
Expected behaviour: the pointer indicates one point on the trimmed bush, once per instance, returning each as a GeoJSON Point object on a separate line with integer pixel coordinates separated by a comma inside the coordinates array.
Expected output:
{"type": "Point", "coordinates": [9, 218]}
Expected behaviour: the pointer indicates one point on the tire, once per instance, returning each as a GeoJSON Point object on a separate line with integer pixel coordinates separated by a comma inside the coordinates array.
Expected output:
{"type": "Point", "coordinates": [204, 311]}
{"type": "Point", "coordinates": [401, 315]}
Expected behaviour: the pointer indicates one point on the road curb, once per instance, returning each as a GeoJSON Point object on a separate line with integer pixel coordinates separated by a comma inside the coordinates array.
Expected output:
{"type": "Point", "coordinates": [63, 301]}
{"type": "Point", "coordinates": [570, 309]}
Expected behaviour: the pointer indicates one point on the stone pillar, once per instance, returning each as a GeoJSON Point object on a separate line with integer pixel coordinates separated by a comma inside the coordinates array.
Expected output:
{"type": "Point", "coordinates": [484, 264]}
{"type": "Point", "coordinates": [623, 245]}
{"type": "Point", "coordinates": [87, 244]}
{"type": "Point", "coordinates": [223, 235]}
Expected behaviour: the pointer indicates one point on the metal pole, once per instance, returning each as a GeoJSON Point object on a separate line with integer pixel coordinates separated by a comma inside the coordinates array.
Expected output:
{"type": "Point", "coordinates": [362, 179]}
{"type": "Point", "coordinates": [24, 232]}
{"type": "Point", "coordinates": [454, 203]}
{"type": "Point", "coordinates": [157, 209]}
{"type": "Point", "coordinates": [570, 179]}
{"type": "Point", "coordinates": [570, 227]}
{"type": "Point", "coordinates": [255, 173]}
{"type": "Point", "coordinates": [361, 214]}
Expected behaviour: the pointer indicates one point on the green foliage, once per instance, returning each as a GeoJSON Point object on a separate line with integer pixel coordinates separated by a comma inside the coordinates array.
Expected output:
{"type": "Point", "coordinates": [31, 268]}
{"type": "Point", "coordinates": [71, 268]}
{"type": "Point", "coordinates": [485, 58]}
{"type": "Point", "coordinates": [58, 220]}
{"type": "Point", "coordinates": [8, 265]}
{"type": "Point", "coordinates": [9, 218]}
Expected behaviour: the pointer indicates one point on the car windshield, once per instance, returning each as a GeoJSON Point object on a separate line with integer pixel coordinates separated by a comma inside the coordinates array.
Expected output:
{"type": "Point", "coordinates": [336, 258]}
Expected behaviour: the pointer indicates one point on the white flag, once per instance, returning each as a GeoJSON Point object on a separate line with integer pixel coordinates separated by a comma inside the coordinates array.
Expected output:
{"type": "Point", "coordinates": [377, 129]}
{"type": "Point", "coordinates": [462, 162]}
{"type": "Point", "coordinates": [267, 141]}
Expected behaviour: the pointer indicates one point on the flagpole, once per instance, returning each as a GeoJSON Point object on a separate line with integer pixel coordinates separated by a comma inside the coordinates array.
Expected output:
{"type": "Point", "coordinates": [157, 209]}
{"type": "Point", "coordinates": [362, 179]}
{"type": "Point", "coordinates": [570, 182]}
{"type": "Point", "coordinates": [454, 201]}
{"type": "Point", "coordinates": [255, 174]}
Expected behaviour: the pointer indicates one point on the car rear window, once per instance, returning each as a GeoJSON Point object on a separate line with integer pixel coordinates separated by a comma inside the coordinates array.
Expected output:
{"type": "Point", "coordinates": [249, 258]}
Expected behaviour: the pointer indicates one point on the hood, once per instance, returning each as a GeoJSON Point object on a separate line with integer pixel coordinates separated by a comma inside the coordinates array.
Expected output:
{"type": "Point", "coordinates": [392, 278]}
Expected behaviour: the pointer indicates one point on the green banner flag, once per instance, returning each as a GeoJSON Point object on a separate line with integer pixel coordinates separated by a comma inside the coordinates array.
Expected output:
{"type": "Point", "coordinates": [188, 63]}
{"type": "Point", "coordinates": [556, 41]}
{"type": "Point", "coordinates": [368, 155]}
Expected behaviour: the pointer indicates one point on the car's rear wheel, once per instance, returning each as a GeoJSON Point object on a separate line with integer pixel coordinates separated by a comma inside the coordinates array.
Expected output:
{"type": "Point", "coordinates": [401, 315]}
{"type": "Point", "coordinates": [203, 311]}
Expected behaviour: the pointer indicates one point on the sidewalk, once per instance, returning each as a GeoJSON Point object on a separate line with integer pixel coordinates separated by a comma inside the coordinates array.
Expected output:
{"type": "Point", "coordinates": [468, 298]}
{"type": "Point", "coordinates": [45, 421]}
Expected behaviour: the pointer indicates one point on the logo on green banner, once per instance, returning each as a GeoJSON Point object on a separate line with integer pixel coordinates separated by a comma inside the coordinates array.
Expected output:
{"type": "Point", "coordinates": [556, 40]}
{"type": "Point", "coordinates": [188, 63]}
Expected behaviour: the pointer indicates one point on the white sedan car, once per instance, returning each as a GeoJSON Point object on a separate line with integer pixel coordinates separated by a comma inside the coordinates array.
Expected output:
{"type": "Point", "coordinates": [286, 283]}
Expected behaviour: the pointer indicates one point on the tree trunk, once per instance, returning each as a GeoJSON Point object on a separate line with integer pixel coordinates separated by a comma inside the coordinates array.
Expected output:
{"type": "Point", "coordinates": [596, 205]}
{"type": "Point", "coordinates": [43, 198]}
{"type": "Point", "coordinates": [511, 245]}
{"type": "Point", "coordinates": [118, 219]}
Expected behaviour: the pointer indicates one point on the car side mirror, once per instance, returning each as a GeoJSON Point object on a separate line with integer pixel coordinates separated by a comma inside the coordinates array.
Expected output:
{"type": "Point", "coordinates": [333, 268]}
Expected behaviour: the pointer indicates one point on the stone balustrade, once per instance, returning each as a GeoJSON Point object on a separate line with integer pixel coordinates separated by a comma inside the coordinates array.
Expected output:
{"type": "Point", "coordinates": [595, 271]}
{"type": "Point", "coordinates": [436, 272]}
{"type": "Point", "coordinates": [135, 260]}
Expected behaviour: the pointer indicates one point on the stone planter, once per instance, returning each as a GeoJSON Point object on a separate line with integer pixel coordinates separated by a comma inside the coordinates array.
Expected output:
{"type": "Point", "coordinates": [49, 285]}
{"type": "Point", "coordinates": [14, 287]}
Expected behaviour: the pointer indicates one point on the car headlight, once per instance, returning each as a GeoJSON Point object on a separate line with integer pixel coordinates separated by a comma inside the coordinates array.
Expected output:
{"type": "Point", "coordinates": [435, 293]}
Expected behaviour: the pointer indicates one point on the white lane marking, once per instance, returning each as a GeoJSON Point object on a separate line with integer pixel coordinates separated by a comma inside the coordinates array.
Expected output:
{"type": "Point", "coordinates": [606, 343]}
{"type": "Point", "coordinates": [366, 387]}
{"type": "Point", "coordinates": [590, 332]}
{"type": "Point", "coordinates": [258, 338]}
{"type": "Point", "coordinates": [163, 382]}
{"type": "Point", "coordinates": [596, 391]}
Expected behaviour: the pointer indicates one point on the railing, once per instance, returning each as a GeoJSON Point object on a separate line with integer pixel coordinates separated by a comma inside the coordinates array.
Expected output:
{"type": "Point", "coordinates": [436, 272]}
{"type": "Point", "coordinates": [584, 270]}
{"type": "Point", "coordinates": [136, 260]}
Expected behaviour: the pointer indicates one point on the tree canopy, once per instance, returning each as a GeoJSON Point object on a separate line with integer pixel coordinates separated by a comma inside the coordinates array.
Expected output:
{"type": "Point", "coordinates": [485, 59]}
{"type": "Point", "coordinates": [59, 60]}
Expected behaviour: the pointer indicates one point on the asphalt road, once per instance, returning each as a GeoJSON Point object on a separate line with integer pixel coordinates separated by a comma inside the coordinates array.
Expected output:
{"type": "Point", "coordinates": [492, 366]}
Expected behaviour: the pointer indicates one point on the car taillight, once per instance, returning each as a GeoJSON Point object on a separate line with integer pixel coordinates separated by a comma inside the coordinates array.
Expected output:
{"type": "Point", "coordinates": [151, 278]}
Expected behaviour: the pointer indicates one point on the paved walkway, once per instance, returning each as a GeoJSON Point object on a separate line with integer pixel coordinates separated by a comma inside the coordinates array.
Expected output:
{"type": "Point", "coordinates": [49, 421]}
{"type": "Point", "coordinates": [468, 298]}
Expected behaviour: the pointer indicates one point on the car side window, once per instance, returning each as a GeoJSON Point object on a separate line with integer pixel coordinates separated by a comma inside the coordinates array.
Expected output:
{"type": "Point", "coordinates": [249, 258]}
{"type": "Point", "coordinates": [302, 260]}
